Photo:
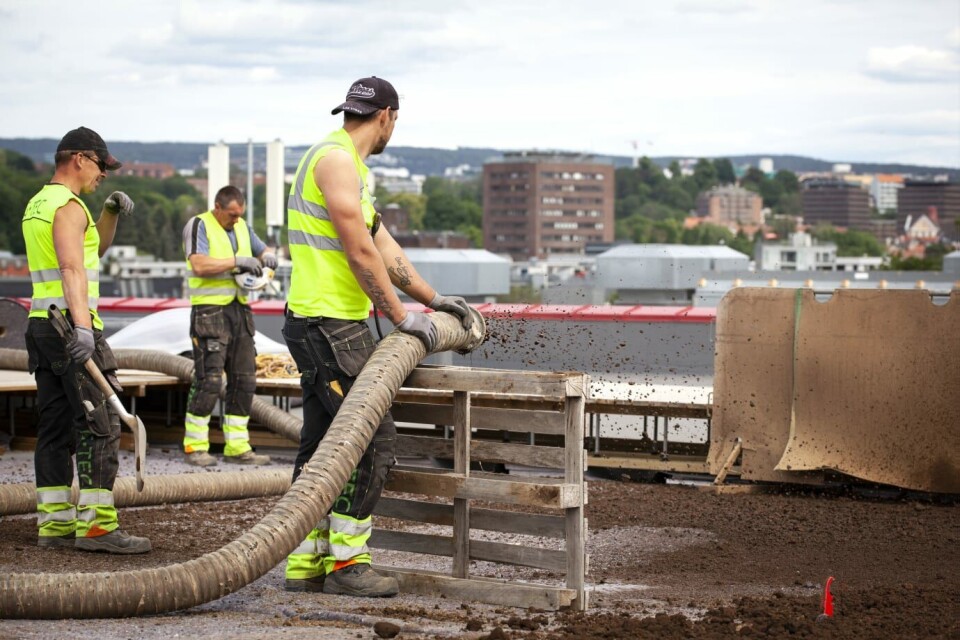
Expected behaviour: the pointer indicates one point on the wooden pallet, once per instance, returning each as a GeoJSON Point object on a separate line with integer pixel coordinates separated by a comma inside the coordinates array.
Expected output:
{"type": "Point", "coordinates": [452, 495]}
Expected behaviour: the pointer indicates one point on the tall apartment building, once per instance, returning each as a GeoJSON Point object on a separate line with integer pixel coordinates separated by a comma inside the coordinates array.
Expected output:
{"type": "Point", "coordinates": [884, 190]}
{"type": "Point", "coordinates": [835, 202]}
{"type": "Point", "coordinates": [538, 203]}
{"type": "Point", "coordinates": [922, 197]}
{"type": "Point", "coordinates": [730, 205]}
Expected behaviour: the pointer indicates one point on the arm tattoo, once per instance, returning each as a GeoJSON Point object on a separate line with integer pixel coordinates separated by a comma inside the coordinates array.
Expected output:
{"type": "Point", "coordinates": [401, 274]}
{"type": "Point", "coordinates": [377, 295]}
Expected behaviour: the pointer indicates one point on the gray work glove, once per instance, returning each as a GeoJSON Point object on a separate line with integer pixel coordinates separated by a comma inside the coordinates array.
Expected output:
{"type": "Point", "coordinates": [119, 203]}
{"type": "Point", "coordinates": [248, 264]}
{"type": "Point", "coordinates": [269, 260]}
{"type": "Point", "coordinates": [455, 305]}
{"type": "Point", "coordinates": [420, 326]}
{"type": "Point", "coordinates": [81, 345]}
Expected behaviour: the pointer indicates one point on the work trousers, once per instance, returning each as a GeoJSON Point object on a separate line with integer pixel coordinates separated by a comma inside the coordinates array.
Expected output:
{"type": "Point", "coordinates": [330, 354]}
{"type": "Point", "coordinates": [75, 419]}
{"type": "Point", "coordinates": [222, 337]}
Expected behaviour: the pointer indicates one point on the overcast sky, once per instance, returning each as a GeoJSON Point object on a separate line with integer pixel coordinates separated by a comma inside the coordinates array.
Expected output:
{"type": "Point", "coordinates": [871, 80]}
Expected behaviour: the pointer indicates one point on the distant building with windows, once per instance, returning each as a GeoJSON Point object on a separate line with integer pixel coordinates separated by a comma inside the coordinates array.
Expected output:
{"type": "Point", "coordinates": [800, 253]}
{"type": "Point", "coordinates": [884, 190]}
{"type": "Point", "coordinates": [835, 202]}
{"type": "Point", "coordinates": [158, 170]}
{"type": "Point", "coordinates": [730, 206]}
{"type": "Point", "coordinates": [936, 199]}
{"type": "Point", "coordinates": [537, 204]}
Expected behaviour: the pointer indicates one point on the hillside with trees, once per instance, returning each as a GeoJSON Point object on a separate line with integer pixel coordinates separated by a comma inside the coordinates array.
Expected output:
{"type": "Point", "coordinates": [162, 206]}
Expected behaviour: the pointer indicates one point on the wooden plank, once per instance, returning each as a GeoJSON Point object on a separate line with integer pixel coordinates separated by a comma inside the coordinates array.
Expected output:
{"type": "Point", "coordinates": [534, 524]}
{"type": "Point", "coordinates": [520, 420]}
{"type": "Point", "coordinates": [675, 464]}
{"type": "Point", "coordinates": [133, 381]}
{"type": "Point", "coordinates": [410, 542]}
{"type": "Point", "coordinates": [502, 452]}
{"type": "Point", "coordinates": [461, 465]}
{"type": "Point", "coordinates": [576, 550]}
{"type": "Point", "coordinates": [536, 383]}
{"type": "Point", "coordinates": [603, 406]}
{"type": "Point", "coordinates": [487, 590]}
{"type": "Point", "coordinates": [437, 545]}
{"type": "Point", "coordinates": [539, 492]}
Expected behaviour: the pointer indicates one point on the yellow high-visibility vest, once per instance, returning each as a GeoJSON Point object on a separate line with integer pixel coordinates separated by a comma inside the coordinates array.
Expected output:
{"type": "Point", "coordinates": [219, 288]}
{"type": "Point", "coordinates": [322, 283]}
{"type": "Point", "coordinates": [45, 274]}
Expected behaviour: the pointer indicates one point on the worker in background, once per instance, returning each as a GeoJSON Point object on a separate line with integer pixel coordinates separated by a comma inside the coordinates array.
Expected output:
{"type": "Point", "coordinates": [342, 260]}
{"type": "Point", "coordinates": [64, 247]}
{"type": "Point", "coordinates": [218, 244]}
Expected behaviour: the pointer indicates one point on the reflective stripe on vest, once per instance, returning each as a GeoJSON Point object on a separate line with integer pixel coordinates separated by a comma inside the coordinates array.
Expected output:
{"type": "Point", "coordinates": [42, 256]}
{"type": "Point", "coordinates": [322, 283]}
{"type": "Point", "coordinates": [219, 288]}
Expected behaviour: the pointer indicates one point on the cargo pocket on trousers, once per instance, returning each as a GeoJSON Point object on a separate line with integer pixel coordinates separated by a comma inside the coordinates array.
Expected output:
{"type": "Point", "coordinates": [209, 323]}
{"type": "Point", "coordinates": [94, 406]}
{"type": "Point", "coordinates": [248, 321]}
{"type": "Point", "coordinates": [351, 343]}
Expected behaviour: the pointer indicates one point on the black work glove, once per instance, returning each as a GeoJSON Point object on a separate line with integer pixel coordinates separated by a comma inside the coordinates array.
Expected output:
{"type": "Point", "coordinates": [119, 203]}
{"type": "Point", "coordinates": [421, 326]}
{"type": "Point", "coordinates": [269, 260]}
{"type": "Point", "coordinates": [82, 345]}
{"type": "Point", "coordinates": [455, 305]}
{"type": "Point", "coordinates": [248, 264]}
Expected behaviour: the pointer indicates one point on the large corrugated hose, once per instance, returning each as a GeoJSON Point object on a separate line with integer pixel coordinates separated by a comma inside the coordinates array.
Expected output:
{"type": "Point", "coordinates": [216, 574]}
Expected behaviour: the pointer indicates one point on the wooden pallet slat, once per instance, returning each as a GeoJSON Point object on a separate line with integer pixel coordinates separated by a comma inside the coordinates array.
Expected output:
{"type": "Point", "coordinates": [480, 450]}
{"type": "Point", "coordinates": [535, 524]}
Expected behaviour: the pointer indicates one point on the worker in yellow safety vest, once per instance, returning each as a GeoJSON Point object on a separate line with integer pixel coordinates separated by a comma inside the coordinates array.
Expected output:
{"type": "Point", "coordinates": [64, 247]}
{"type": "Point", "coordinates": [219, 244]}
{"type": "Point", "coordinates": [342, 260]}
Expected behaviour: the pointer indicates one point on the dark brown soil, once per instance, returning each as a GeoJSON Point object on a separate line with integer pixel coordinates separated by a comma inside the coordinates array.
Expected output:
{"type": "Point", "coordinates": [756, 565]}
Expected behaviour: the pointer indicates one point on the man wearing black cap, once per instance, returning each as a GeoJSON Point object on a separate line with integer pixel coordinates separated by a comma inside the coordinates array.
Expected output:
{"type": "Point", "coordinates": [342, 260]}
{"type": "Point", "coordinates": [64, 246]}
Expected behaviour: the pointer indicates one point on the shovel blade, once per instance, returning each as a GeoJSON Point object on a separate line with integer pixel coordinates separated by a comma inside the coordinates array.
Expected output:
{"type": "Point", "coordinates": [140, 451]}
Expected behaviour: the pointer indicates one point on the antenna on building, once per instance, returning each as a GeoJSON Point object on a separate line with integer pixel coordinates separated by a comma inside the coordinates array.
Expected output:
{"type": "Point", "coordinates": [636, 156]}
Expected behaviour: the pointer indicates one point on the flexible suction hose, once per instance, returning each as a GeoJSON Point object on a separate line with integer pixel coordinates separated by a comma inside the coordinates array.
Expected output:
{"type": "Point", "coordinates": [216, 574]}
{"type": "Point", "coordinates": [168, 489]}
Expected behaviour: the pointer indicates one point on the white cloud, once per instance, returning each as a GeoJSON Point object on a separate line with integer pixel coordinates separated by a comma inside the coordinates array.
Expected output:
{"type": "Point", "coordinates": [953, 38]}
{"type": "Point", "coordinates": [695, 77]}
{"type": "Point", "coordinates": [911, 63]}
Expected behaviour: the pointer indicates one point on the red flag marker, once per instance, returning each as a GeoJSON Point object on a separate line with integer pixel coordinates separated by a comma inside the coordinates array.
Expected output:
{"type": "Point", "coordinates": [827, 601]}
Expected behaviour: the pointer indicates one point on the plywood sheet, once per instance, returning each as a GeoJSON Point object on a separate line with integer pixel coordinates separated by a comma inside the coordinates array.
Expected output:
{"type": "Point", "coordinates": [877, 392]}
{"type": "Point", "coordinates": [753, 380]}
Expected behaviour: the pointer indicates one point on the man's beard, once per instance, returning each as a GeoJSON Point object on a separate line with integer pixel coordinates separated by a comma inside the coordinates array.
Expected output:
{"type": "Point", "coordinates": [380, 146]}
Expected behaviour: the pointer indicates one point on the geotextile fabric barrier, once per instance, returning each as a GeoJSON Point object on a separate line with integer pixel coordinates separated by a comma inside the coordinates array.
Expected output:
{"type": "Point", "coordinates": [866, 383]}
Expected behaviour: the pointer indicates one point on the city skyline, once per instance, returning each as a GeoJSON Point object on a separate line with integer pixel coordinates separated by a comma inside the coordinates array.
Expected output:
{"type": "Point", "coordinates": [832, 79]}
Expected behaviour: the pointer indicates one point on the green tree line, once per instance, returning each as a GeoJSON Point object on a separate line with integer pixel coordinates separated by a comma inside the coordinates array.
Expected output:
{"type": "Point", "coordinates": [162, 206]}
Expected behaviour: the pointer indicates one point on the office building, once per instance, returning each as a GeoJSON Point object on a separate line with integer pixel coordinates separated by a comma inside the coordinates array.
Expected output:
{"type": "Point", "coordinates": [537, 204]}
{"type": "Point", "coordinates": [730, 206]}
{"type": "Point", "coordinates": [835, 202]}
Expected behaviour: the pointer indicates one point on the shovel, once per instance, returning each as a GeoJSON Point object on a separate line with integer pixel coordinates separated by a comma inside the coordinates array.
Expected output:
{"type": "Point", "coordinates": [131, 421]}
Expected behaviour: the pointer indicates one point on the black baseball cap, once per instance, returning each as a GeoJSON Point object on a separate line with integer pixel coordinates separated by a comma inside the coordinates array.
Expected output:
{"type": "Point", "coordinates": [367, 95]}
{"type": "Point", "coordinates": [84, 139]}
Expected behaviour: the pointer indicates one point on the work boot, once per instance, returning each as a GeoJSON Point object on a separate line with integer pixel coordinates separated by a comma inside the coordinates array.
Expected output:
{"type": "Point", "coordinates": [313, 585]}
{"type": "Point", "coordinates": [56, 542]}
{"type": "Point", "coordinates": [116, 541]}
{"type": "Point", "coordinates": [360, 580]}
{"type": "Point", "coordinates": [200, 459]}
{"type": "Point", "coordinates": [248, 457]}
